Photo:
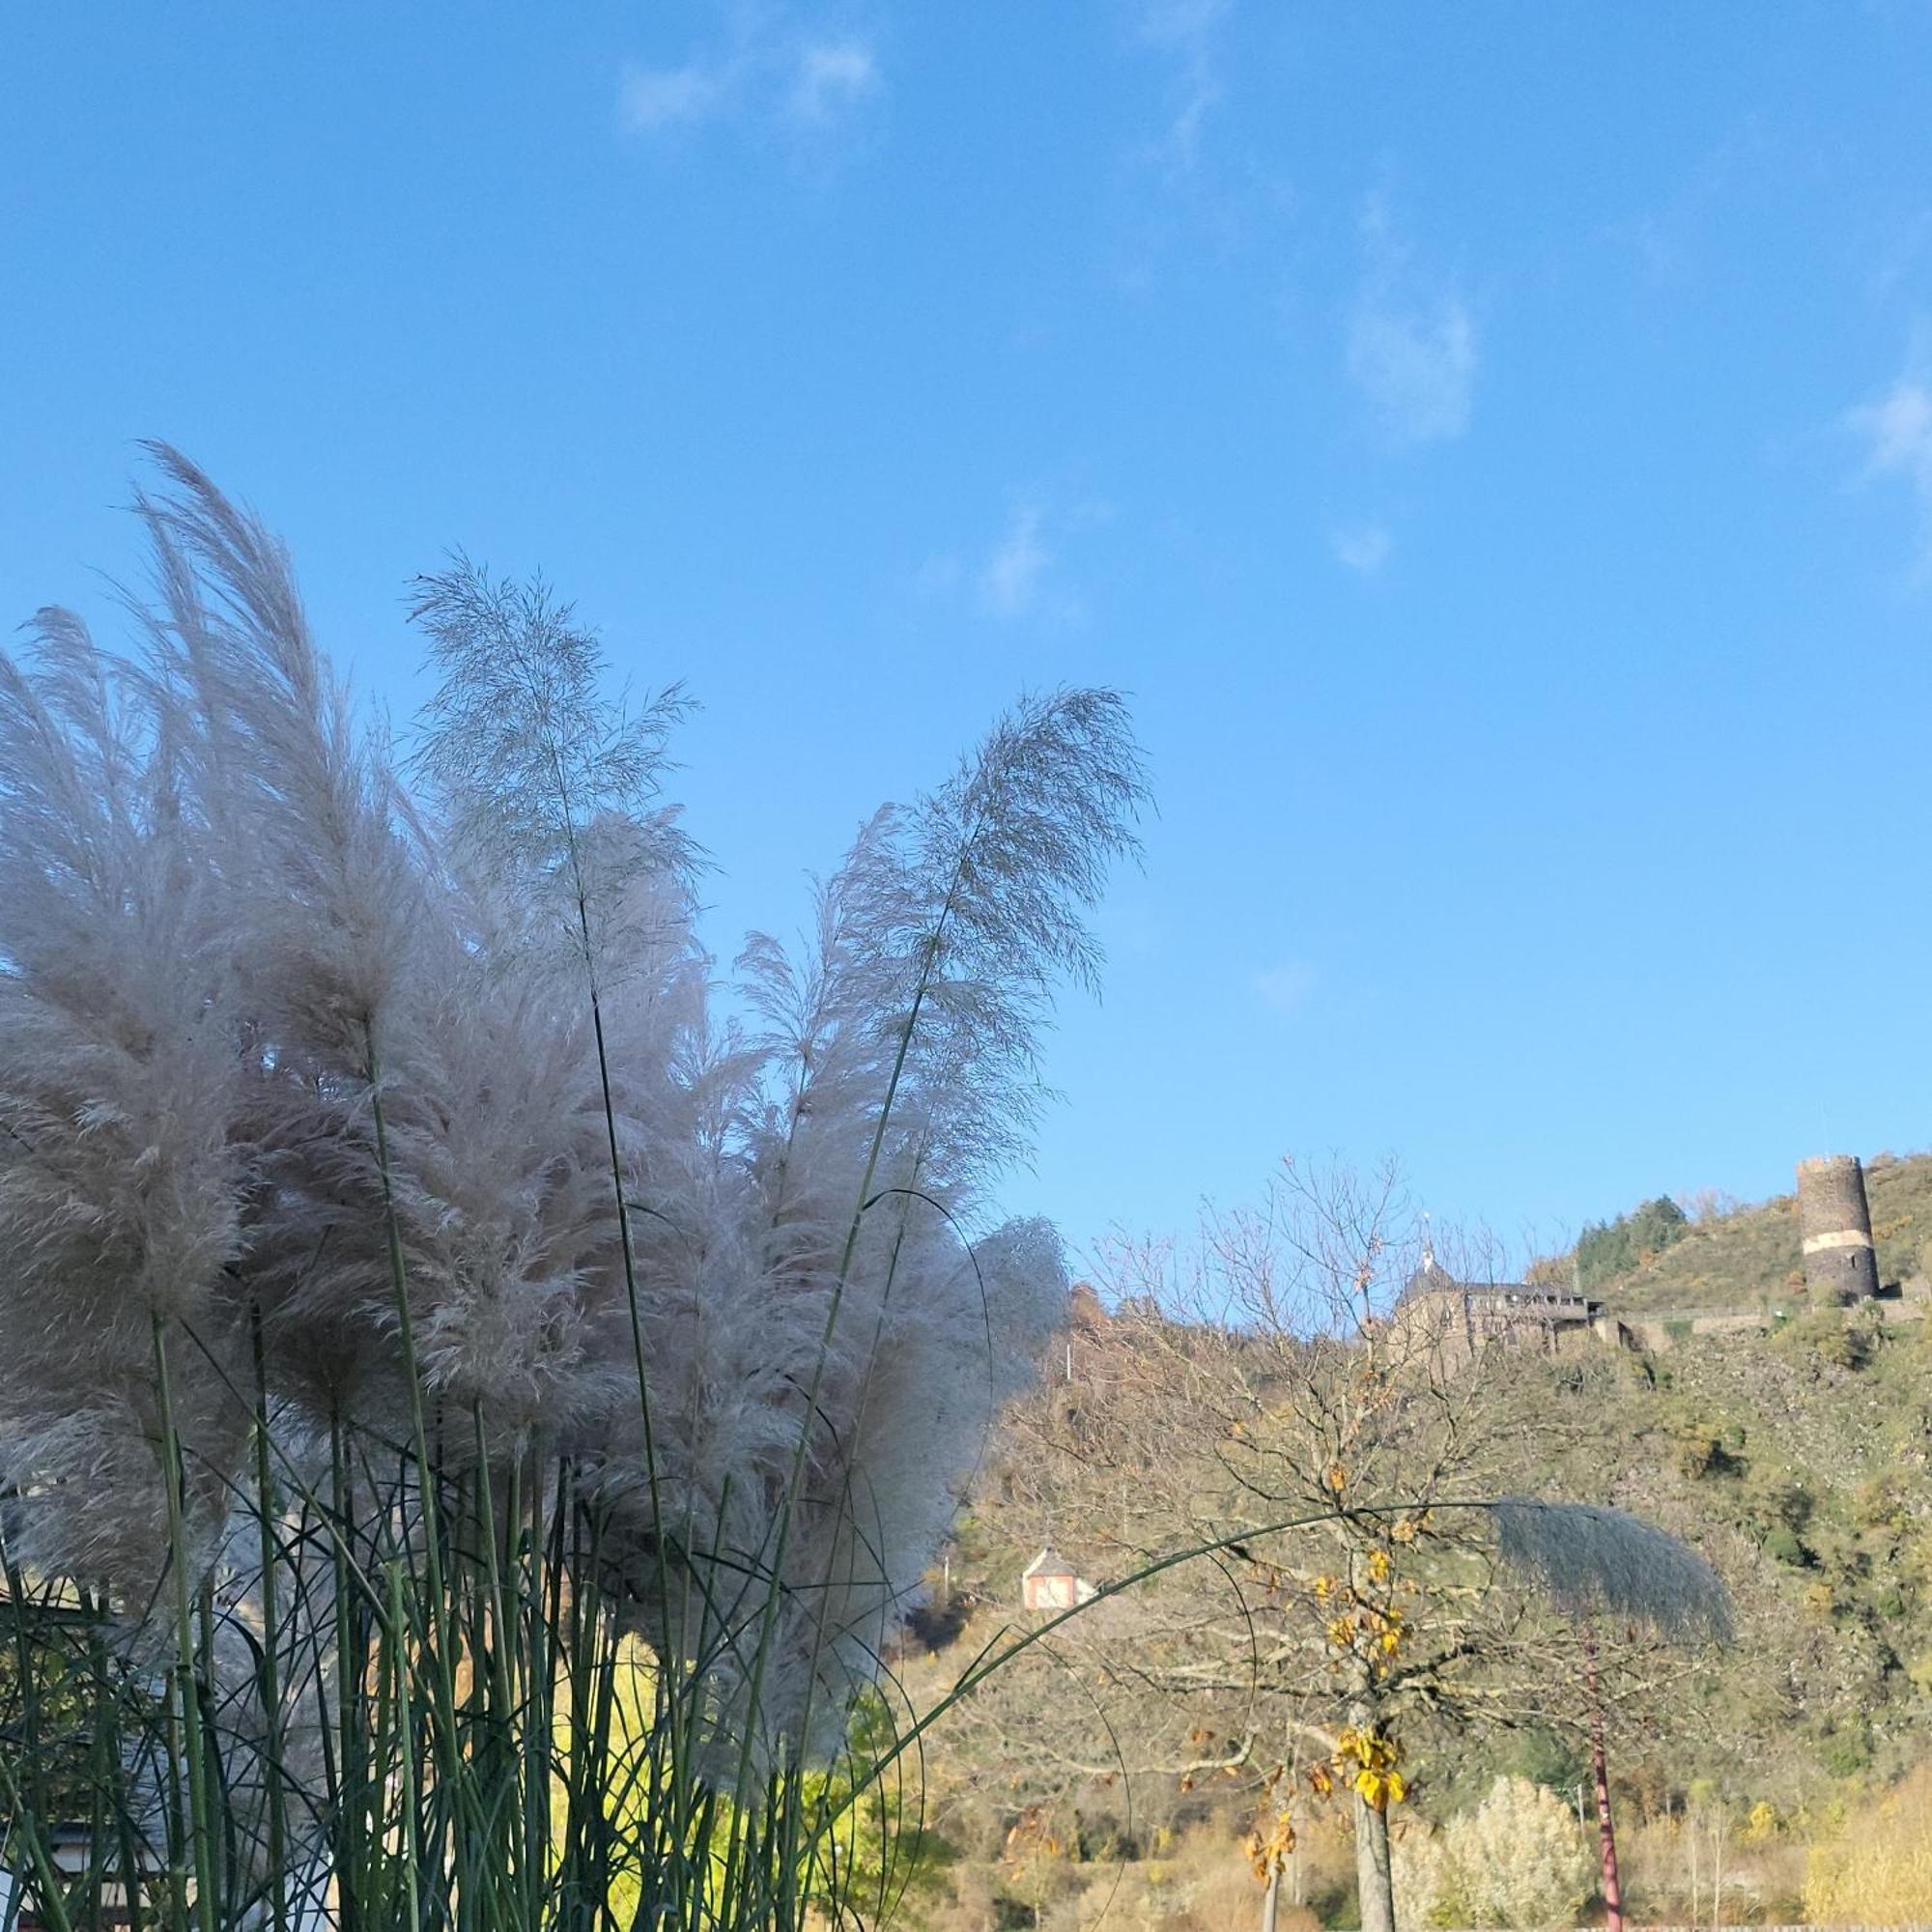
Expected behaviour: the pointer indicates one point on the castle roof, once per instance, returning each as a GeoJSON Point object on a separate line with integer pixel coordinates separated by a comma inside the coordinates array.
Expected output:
{"type": "Point", "coordinates": [1431, 1278]}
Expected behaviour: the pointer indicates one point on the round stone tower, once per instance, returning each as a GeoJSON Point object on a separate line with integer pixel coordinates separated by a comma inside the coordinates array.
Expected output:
{"type": "Point", "coordinates": [1834, 1228]}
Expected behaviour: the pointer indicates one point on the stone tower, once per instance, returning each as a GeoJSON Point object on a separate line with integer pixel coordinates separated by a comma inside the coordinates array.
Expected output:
{"type": "Point", "coordinates": [1834, 1228]}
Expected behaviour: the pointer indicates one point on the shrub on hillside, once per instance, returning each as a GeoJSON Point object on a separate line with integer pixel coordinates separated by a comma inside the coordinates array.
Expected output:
{"type": "Point", "coordinates": [1828, 1338]}
{"type": "Point", "coordinates": [1518, 1859]}
{"type": "Point", "coordinates": [1877, 1869]}
{"type": "Point", "coordinates": [1705, 1451]}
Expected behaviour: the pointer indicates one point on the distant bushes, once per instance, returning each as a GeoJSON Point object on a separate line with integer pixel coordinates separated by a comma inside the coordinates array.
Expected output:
{"type": "Point", "coordinates": [1609, 1249]}
{"type": "Point", "coordinates": [1518, 1859]}
{"type": "Point", "coordinates": [1829, 1338]}
{"type": "Point", "coordinates": [1192, 1878]}
{"type": "Point", "coordinates": [1706, 1450]}
{"type": "Point", "coordinates": [1878, 1871]}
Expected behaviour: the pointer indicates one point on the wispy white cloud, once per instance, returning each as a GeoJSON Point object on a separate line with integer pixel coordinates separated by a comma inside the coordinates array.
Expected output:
{"type": "Point", "coordinates": [1417, 367]}
{"type": "Point", "coordinates": [1896, 431]}
{"type": "Point", "coordinates": [770, 71]}
{"type": "Point", "coordinates": [1185, 30]}
{"type": "Point", "coordinates": [652, 98]}
{"type": "Point", "coordinates": [1012, 578]}
{"type": "Point", "coordinates": [1184, 183]}
{"type": "Point", "coordinates": [831, 77]}
{"type": "Point", "coordinates": [1172, 22]}
{"type": "Point", "coordinates": [1670, 238]}
{"type": "Point", "coordinates": [1412, 348]}
{"type": "Point", "coordinates": [1286, 988]}
{"type": "Point", "coordinates": [1899, 252]}
{"type": "Point", "coordinates": [1018, 577]}
{"type": "Point", "coordinates": [1362, 547]}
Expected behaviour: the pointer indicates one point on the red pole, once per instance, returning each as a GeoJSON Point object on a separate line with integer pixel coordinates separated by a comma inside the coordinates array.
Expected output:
{"type": "Point", "coordinates": [1614, 1897]}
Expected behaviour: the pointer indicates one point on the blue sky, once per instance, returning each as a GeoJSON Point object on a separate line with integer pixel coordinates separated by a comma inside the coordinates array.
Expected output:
{"type": "Point", "coordinates": [1492, 444]}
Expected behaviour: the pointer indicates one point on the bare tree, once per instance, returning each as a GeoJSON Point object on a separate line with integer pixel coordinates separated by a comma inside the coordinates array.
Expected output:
{"type": "Point", "coordinates": [1311, 1361]}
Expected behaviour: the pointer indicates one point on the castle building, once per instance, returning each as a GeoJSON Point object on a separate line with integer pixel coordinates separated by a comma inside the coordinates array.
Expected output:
{"type": "Point", "coordinates": [1457, 1318]}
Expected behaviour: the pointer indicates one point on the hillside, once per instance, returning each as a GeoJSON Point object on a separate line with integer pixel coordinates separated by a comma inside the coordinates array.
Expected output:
{"type": "Point", "coordinates": [1798, 1460]}
{"type": "Point", "coordinates": [1748, 1257]}
{"type": "Point", "coordinates": [1800, 1463]}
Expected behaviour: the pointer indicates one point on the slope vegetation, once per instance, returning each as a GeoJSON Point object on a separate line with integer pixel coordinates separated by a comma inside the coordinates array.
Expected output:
{"type": "Point", "coordinates": [1743, 1258]}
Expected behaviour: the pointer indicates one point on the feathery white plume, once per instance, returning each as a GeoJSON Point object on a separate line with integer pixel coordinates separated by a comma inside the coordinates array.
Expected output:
{"type": "Point", "coordinates": [285, 1053]}
{"type": "Point", "coordinates": [1592, 1561]}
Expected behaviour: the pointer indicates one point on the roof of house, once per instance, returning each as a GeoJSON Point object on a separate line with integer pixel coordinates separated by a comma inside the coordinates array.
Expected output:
{"type": "Point", "coordinates": [1048, 1563]}
{"type": "Point", "coordinates": [1431, 1278]}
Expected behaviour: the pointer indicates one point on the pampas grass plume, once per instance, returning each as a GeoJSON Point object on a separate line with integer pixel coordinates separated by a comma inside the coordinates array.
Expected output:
{"type": "Point", "coordinates": [1591, 1561]}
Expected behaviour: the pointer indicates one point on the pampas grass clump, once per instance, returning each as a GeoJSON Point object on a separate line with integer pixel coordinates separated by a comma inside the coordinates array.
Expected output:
{"type": "Point", "coordinates": [1596, 1562]}
{"type": "Point", "coordinates": [403, 1246]}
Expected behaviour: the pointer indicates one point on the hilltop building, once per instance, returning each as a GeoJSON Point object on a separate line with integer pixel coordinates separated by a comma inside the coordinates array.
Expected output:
{"type": "Point", "coordinates": [1451, 1320]}
{"type": "Point", "coordinates": [1458, 1316]}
